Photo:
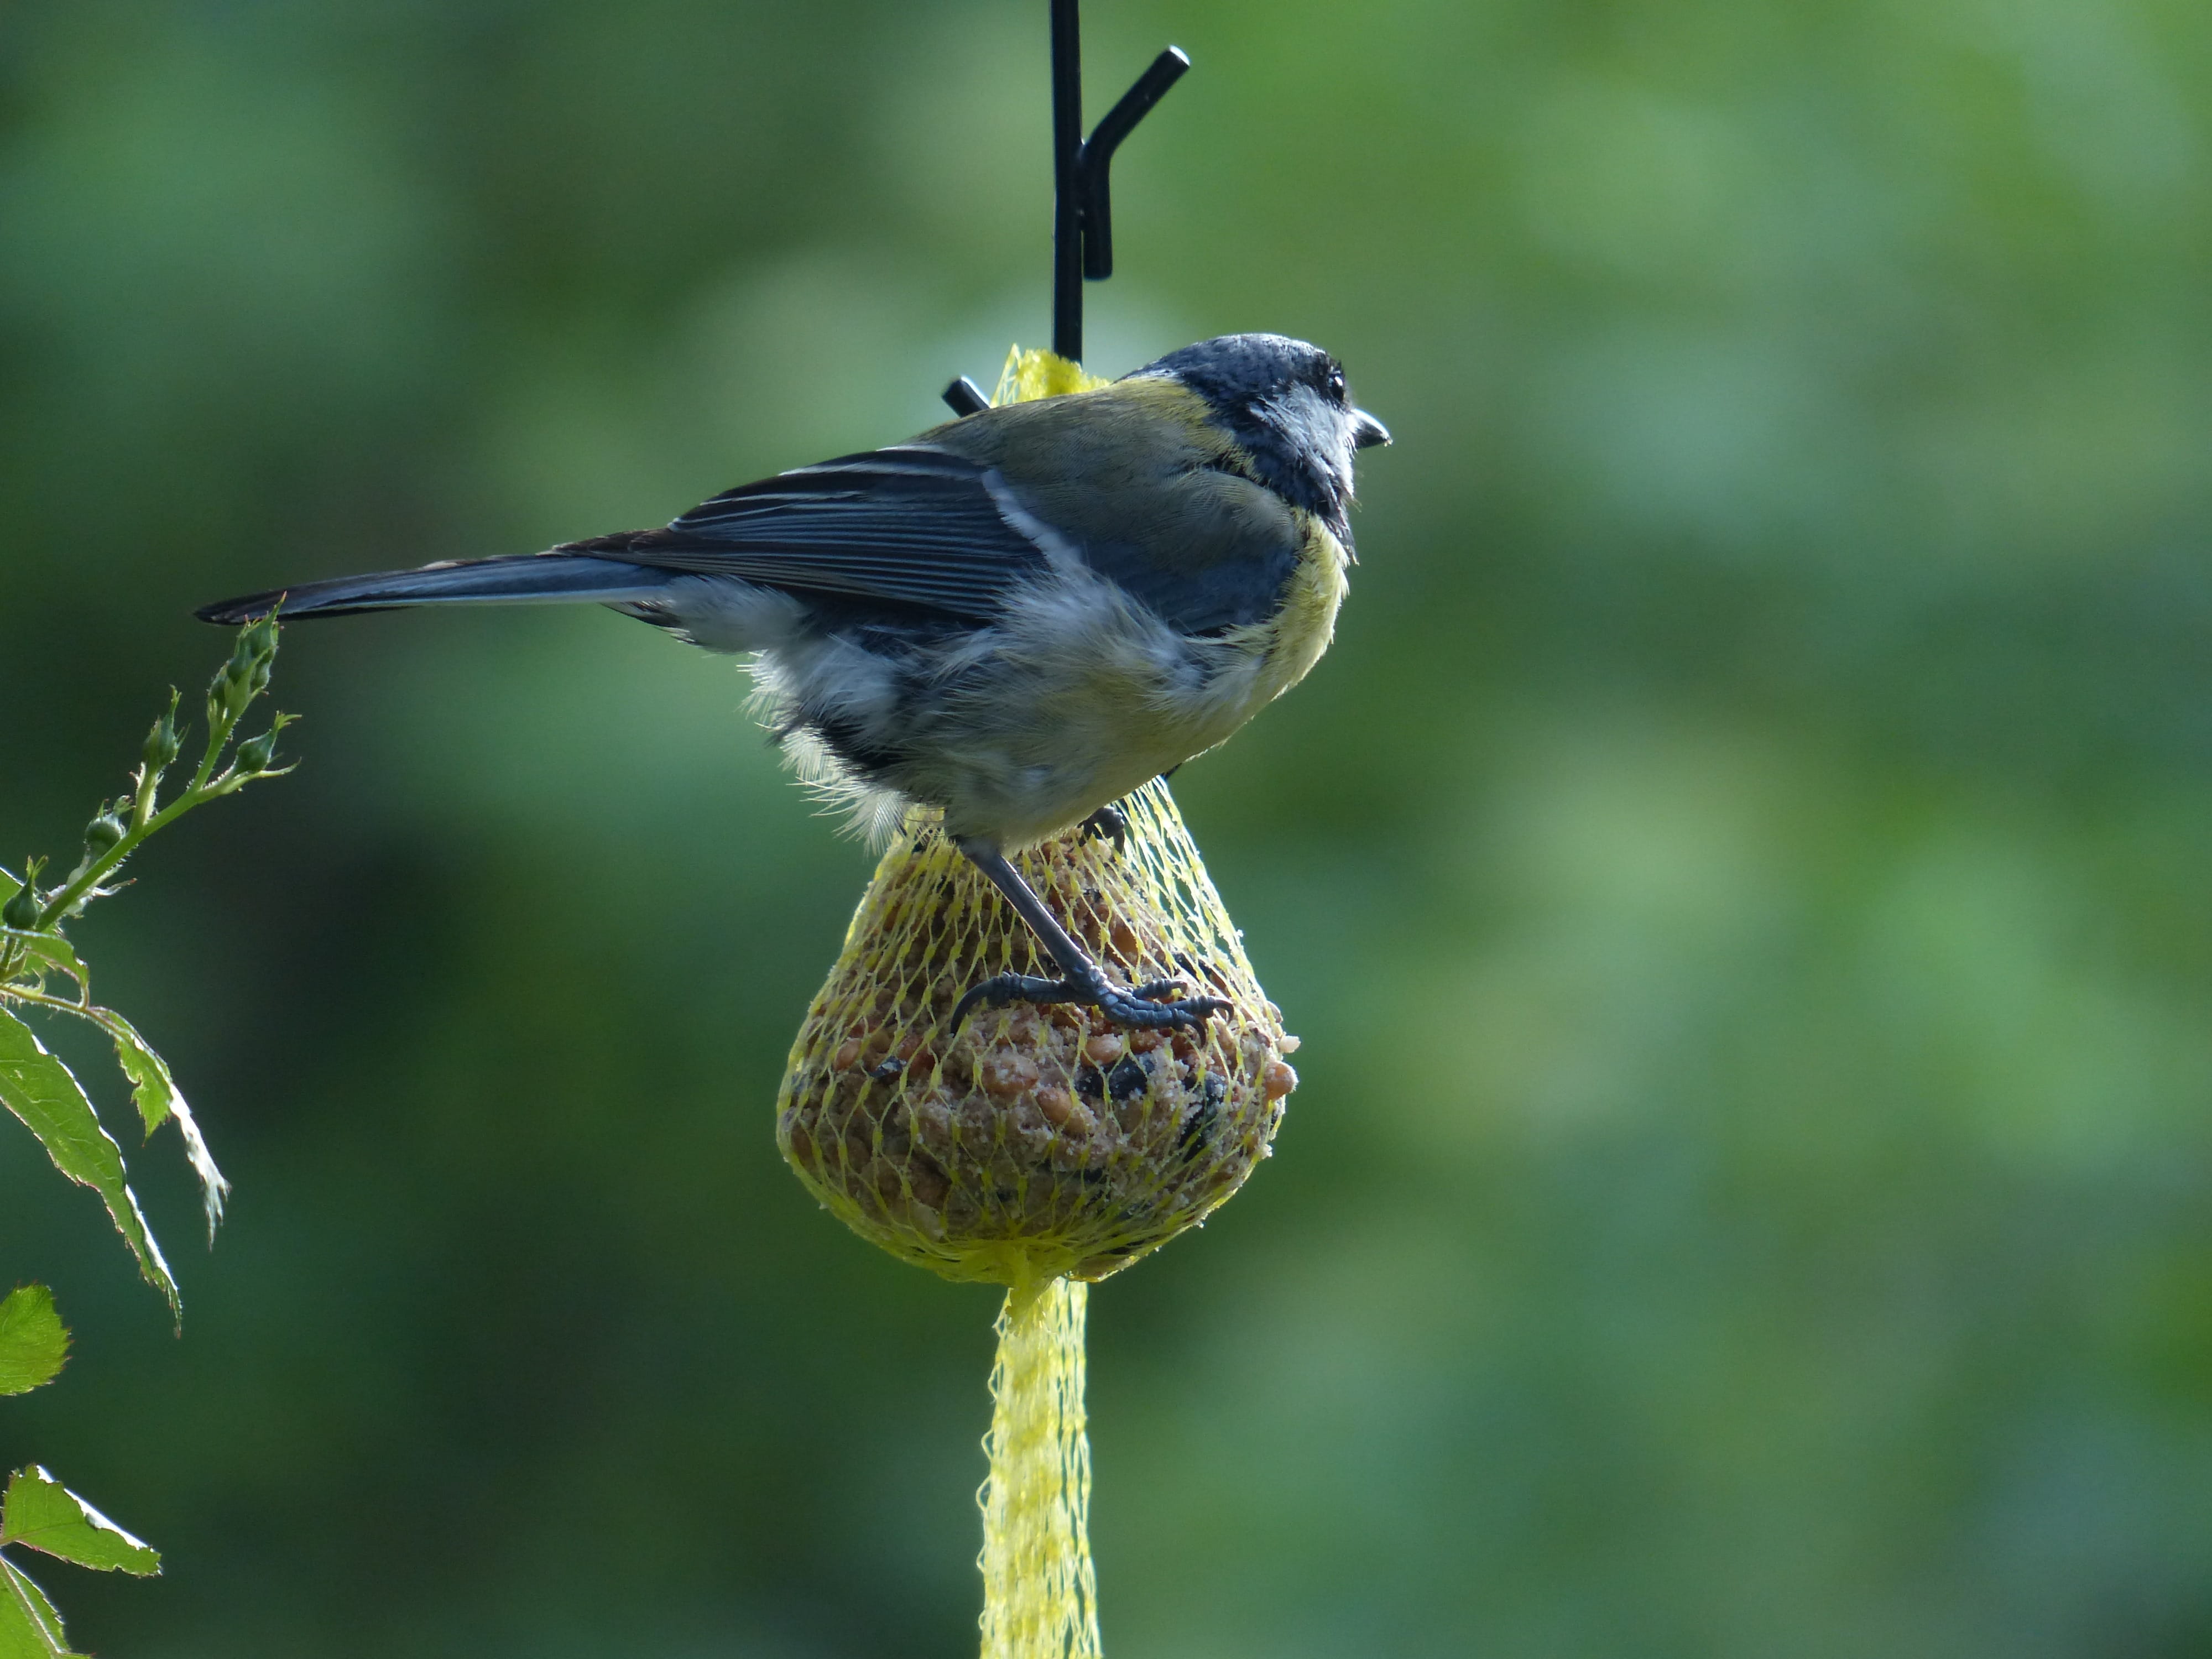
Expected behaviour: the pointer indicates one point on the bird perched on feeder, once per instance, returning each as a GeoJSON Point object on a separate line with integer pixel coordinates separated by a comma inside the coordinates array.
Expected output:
{"type": "Point", "coordinates": [1015, 618]}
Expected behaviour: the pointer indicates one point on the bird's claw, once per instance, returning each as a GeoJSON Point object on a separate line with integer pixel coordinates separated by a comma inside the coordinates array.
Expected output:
{"type": "Point", "coordinates": [1148, 1006]}
{"type": "Point", "coordinates": [1145, 1006]}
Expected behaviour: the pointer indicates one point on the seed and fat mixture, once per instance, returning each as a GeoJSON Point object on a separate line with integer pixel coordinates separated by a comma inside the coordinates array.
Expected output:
{"type": "Point", "coordinates": [1035, 1141]}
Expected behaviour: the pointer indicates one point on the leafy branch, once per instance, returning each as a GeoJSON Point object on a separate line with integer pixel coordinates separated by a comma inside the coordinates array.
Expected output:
{"type": "Point", "coordinates": [35, 955]}
{"type": "Point", "coordinates": [36, 1510]}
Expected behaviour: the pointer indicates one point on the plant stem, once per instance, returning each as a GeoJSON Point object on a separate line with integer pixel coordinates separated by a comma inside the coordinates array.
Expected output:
{"type": "Point", "coordinates": [44, 1000]}
{"type": "Point", "coordinates": [201, 792]}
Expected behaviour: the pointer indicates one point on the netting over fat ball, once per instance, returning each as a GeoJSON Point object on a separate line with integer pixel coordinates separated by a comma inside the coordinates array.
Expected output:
{"type": "Point", "coordinates": [1033, 1142]}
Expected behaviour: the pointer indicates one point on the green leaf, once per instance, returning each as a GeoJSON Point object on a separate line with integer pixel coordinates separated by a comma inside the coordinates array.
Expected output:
{"type": "Point", "coordinates": [34, 1342]}
{"type": "Point", "coordinates": [38, 1089]}
{"type": "Point", "coordinates": [49, 948]}
{"type": "Point", "coordinates": [29, 1627]}
{"type": "Point", "coordinates": [40, 1513]}
{"type": "Point", "coordinates": [153, 1090]}
{"type": "Point", "coordinates": [159, 1099]}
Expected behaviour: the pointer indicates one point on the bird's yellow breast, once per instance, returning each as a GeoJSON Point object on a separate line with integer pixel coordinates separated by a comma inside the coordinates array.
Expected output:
{"type": "Point", "coordinates": [1307, 622]}
{"type": "Point", "coordinates": [1284, 646]}
{"type": "Point", "coordinates": [1254, 664]}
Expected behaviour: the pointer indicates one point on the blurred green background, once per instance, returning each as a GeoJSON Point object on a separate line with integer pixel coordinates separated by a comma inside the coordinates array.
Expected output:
{"type": "Point", "coordinates": [1740, 876]}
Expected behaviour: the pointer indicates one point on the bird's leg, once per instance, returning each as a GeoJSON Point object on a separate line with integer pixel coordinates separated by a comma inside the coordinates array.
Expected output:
{"type": "Point", "coordinates": [1086, 980]}
{"type": "Point", "coordinates": [1107, 824]}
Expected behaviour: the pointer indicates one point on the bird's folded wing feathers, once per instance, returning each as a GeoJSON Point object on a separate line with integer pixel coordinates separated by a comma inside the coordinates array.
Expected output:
{"type": "Point", "coordinates": [908, 525]}
{"type": "Point", "coordinates": [1149, 492]}
{"type": "Point", "coordinates": [1137, 487]}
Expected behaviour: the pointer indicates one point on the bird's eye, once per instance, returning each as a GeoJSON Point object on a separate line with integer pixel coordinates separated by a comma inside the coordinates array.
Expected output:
{"type": "Point", "coordinates": [1336, 384]}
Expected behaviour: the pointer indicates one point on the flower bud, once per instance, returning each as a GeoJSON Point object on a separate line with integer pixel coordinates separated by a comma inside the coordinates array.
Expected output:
{"type": "Point", "coordinates": [255, 753]}
{"type": "Point", "coordinates": [160, 745]}
{"type": "Point", "coordinates": [231, 689]}
{"type": "Point", "coordinates": [103, 832]}
{"type": "Point", "coordinates": [22, 912]}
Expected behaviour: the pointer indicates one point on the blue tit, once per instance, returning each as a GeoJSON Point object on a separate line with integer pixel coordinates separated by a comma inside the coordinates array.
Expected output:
{"type": "Point", "coordinates": [1012, 620]}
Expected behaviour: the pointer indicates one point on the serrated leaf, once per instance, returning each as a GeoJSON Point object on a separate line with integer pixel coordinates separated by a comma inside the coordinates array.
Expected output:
{"type": "Point", "coordinates": [159, 1099]}
{"type": "Point", "coordinates": [29, 1627]}
{"type": "Point", "coordinates": [49, 948]}
{"type": "Point", "coordinates": [41, 1514]}
{"type": "Point", "coordinates": [39, 1090]}
{"type": "Point", "coordinates": [153, 1090]}
{"type": "Point", "coordinates": [34, 1342]}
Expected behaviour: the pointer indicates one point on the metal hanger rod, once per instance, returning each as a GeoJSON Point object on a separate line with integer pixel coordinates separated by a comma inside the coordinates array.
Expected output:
{"type": "Point", "coordinates": [1067, 196]}
{"type": "Point", "coordinates": [1083, 203]}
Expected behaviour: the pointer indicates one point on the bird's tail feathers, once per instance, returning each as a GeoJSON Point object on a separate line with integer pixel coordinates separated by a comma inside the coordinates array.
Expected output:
{"type": "Point", "coordinates": [525, 579]}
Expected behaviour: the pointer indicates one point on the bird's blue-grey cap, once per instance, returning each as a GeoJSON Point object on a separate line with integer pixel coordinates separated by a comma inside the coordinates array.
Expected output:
{"type": "Point", "coordinates": [1246, 368]}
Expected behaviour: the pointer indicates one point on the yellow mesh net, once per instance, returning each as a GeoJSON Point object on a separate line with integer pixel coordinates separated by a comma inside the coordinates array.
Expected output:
{"type": "Point", "coordinates": [1039, 1597]}
{"type": "Point", "coordinates": [1033, 374]}
{"type": "Point", "coordinates": [1034, 1144]}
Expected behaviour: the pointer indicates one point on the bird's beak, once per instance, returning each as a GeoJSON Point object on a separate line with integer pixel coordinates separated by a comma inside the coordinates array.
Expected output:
{"type": "Point", "coordinates": [1367, 431]}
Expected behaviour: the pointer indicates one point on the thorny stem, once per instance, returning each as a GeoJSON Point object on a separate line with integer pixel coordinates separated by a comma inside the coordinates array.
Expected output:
{"type": "Point", "coordinates": [235, 691]}
{"type": "Point", "coordinates": [201, 792]}
{"type": "Point", "coordinates": [48, 1000]}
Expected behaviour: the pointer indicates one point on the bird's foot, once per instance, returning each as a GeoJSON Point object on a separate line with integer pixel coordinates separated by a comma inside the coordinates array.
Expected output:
{"type": "Point", "coordinates": [1107, 824]}
{"type": "Point", "coordinates": [1147, 1006]}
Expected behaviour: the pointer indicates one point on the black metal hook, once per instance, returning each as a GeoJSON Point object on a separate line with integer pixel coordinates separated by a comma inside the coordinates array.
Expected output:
{"type": "Point", "coordinates": [1083, 203]}
{"type": "Point", "coordinates": [1097, 158]}
{"type": "Point", "coordinates": [965, 397]}
{"type": "Point", "coordinates": [1083, 199]}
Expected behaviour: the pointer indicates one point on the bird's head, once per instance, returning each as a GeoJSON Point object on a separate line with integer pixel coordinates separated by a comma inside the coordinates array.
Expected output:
{"type": "Point", "coordinates": [1287, 405]}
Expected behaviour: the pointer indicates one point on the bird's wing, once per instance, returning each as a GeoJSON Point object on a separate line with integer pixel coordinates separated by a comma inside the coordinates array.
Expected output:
{"type": "Point", "coordinates": [1131, 478]}
{"type": "Point", "coordinates": [1149, 492]}
{"type": "Point", "coordinates": [910, 526]}
{"type": "Point", "coordinates": [1206, 551]}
